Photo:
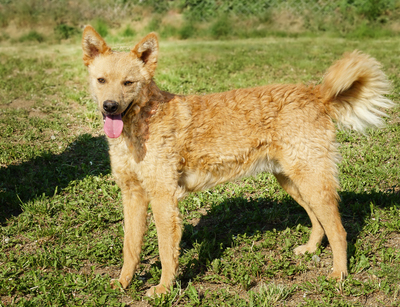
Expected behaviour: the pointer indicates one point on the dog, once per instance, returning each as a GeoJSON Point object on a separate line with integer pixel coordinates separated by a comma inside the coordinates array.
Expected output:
{"type": "Point", "coordinates": [163, 146]}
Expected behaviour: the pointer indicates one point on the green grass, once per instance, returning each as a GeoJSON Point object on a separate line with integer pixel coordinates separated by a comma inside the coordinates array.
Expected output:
{"type": "Point", "coordinates": [52, 21]}
{"type": "Point", "coordinates": [61, 212]}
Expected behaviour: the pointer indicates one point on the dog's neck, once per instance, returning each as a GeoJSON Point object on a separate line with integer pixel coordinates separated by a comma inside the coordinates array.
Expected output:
{"type": "Point", "coordinates": [155, 95]}
{"type": "Point", "coordinates": [136, 122]}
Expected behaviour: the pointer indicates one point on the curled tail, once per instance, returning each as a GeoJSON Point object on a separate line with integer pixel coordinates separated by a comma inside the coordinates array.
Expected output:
{"type": "Point", "coordinates": [355, 87]}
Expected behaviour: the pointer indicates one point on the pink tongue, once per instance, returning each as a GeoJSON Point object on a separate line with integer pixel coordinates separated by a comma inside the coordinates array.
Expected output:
{"type": "Point", "coordinates": [113, 125]}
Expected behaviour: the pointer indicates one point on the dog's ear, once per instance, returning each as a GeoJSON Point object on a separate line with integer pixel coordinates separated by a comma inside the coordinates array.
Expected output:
{"type": "Point", "coordinates": [93, 45]}
{"type": "Point", "coordinates": [147, 51]}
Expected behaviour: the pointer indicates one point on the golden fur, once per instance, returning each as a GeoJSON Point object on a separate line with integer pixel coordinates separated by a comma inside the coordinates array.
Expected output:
{"type": "Point", "coordinates": [171, 144]}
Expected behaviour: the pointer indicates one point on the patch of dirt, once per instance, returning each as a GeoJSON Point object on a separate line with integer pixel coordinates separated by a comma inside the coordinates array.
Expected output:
{"type": "Point", "coordinates": [195, 221]}
{"type": "Point", "coordinates": [36, 113]}
{"type": "Point", "coordinates": [49, 71]}
{"type": "Point", "coordinates": [112, 271]}
{"type": "Point", "coordinates": [129, 302]}
{"type": "Point", "coordinates": [19, 104]}
{"type": "Point", "coordinates": [7, 300]}
{"type": "Point", "coordinates": [393, 241]}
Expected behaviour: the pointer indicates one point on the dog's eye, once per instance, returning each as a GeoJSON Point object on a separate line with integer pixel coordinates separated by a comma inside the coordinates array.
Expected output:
{"type": "Point", "coordinates": [127, 83]}
{"type": "Point", "coordinates": [101, 80]}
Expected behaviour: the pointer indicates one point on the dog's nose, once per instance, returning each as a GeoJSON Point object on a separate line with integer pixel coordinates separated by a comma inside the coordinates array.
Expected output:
{"type": "Point", "coordinates": [110, 106]}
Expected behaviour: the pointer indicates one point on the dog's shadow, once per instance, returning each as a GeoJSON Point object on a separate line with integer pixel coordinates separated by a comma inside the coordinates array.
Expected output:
{"type": "Point", "coordinates": [48, 173]}
{"type": "Point", "coordinates": [215, 232]}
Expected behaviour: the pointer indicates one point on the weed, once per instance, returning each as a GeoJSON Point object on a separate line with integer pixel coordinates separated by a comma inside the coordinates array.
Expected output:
{"type": "Point", "coordinates": [3, 19]}
{"type": "Point", "coordinates": [188, 30]}
{"type": "Point", "coordinates": [101, 26]}
{"type": "Point", "coordinates": [169, 31]}
{"type": "Point", "coordinates": [366, 30]}
{"type": "Point", "coordinates": [154, 24]}
{"type": "Point", "coordinates": [32, 36]}
{"type": "Point", "coordinates": [128, 32]}
{"type": "Point", "coordinates": [221, 27]}
{"type": "Point", "coordinates": [373, 9]}
{"type": "Point", "coordinates": [64, 31]}
{"type": "Point", "coordinates": [4, 36]}
{"type": "Point", "coordinates": [157, 6]}
{"type": "Point", "coordinates": [269, 295]}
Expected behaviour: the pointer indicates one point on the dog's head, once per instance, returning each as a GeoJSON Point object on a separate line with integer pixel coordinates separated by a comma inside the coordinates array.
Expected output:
{"type": "Point", "coordinates": [118, 81]}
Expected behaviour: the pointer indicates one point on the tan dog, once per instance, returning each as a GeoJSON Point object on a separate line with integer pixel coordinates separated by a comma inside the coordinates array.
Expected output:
{"type": "Point", "coordinates": [163, 145]}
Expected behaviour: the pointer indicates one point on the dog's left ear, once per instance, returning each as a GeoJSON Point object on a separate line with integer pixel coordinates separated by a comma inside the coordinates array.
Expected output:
{"type": "Point", "coordinates": [93, 45]}
{"type": "Point", "coordinates": [147, 51]}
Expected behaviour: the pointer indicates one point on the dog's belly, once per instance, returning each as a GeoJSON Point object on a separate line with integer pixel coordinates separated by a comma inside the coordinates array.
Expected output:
{"type": "Point", "coordinates": [197, 179]}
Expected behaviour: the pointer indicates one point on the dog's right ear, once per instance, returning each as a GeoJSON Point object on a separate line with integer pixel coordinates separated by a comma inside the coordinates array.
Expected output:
{"type": "Point", "coordinates": [93, 45]}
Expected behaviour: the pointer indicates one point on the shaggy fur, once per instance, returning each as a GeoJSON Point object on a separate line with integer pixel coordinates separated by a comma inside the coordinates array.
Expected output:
{"type": "Point", "coordinates": [163, 145]}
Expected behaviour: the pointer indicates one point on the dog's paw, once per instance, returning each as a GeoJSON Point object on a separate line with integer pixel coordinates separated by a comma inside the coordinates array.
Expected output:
{"type": "Point", "coordinates": [156, 290]}
{"type": "Point", "coordinates": [302, 249]}
{"type": "Point", "coordinates": [115, 284]}
{"type": "Point", "coordinates": [340, 275]}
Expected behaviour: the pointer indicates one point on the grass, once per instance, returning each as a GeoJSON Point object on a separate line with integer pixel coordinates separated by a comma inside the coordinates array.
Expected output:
{"type": "Point", "coordinates": [29, 21]}
{"type": "Point", "coordinates": [61, 212]}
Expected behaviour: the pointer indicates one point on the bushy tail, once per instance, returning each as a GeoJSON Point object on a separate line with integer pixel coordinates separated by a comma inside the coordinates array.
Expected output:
{"type": "Point", "coordinates": [355, 87]}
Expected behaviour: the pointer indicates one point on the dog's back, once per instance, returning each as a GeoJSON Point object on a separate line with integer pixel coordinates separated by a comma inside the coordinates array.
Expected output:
{"type": "Point", "coordinates": [219, 137]}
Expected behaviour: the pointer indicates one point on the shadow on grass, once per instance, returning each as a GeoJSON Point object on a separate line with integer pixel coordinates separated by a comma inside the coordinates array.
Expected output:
{"type": "Point", "coordinates": [45, 174]}
{"type": "Point", "coordinates": [240, 216]}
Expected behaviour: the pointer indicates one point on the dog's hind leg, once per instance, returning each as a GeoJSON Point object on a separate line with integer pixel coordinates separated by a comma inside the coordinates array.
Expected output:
{"type": "Point", "coordinates": [317, 232]}
{"type": "Point", "coordinates": [169, 230]}
{"type": "Point", "coordinates": [135, 204]}
{"type": "Point", "coordinates": [318, 193]}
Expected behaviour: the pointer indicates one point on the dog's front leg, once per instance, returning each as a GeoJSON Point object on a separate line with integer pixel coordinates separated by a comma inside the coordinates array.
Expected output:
{"type": "Point", "coordinates": [169, 231]}
{"type": "Point", "coordinates": [135, 210]}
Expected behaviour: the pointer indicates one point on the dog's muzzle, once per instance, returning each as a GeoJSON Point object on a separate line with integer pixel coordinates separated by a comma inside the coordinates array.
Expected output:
{"type": "Point", "coordinates": [110, 107]}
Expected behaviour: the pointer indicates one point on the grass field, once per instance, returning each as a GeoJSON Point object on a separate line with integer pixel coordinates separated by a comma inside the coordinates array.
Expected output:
{"type": "Point", "coordinates": [61, 214]}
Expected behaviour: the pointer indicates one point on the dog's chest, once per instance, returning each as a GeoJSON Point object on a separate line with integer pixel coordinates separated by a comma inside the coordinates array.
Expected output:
{"type": "Point", "coordinates": [123, 162]}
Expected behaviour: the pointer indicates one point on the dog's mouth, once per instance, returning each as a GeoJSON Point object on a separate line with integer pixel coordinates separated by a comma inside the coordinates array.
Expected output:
{"type": "Point", "coordinates": [113, 124]}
